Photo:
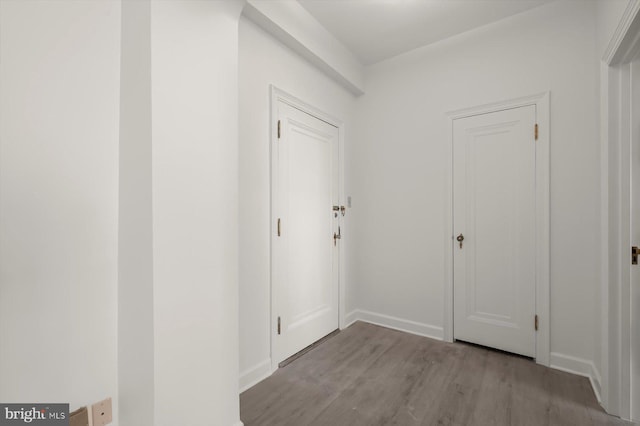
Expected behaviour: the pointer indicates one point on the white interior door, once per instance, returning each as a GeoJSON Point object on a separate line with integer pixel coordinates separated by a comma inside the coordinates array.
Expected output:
{"type": "Point", "coordinates": [494, 211]}
{"type": "Point", "coordinates": [634, 290]}
{"type": "Point", "coordinates": [305, 252]}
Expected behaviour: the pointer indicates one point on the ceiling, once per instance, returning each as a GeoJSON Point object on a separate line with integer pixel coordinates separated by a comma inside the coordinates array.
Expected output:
{"type": "Point", "coordinates": [375, 30]}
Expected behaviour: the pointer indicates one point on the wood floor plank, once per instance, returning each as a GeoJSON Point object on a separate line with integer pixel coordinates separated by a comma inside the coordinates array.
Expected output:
{"type": "Point", "coordinates": [530, 398]}
{"type": "Point", "coordinates": [376, 394]}
{"type": "Point", "coordinates": [494, 404]}
{"type": "Point", "coordinates": [439, 363]}
{"type": "Point", "coordinates": [370, 375]}
{"type": "Point", "coordinates": [296, 393]}
{"type": "Point", "coordinates": [462, 389]}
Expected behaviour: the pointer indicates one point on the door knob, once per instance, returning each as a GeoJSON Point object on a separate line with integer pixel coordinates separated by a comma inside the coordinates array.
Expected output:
{"type": "Point", "coordinates": [460, 239]}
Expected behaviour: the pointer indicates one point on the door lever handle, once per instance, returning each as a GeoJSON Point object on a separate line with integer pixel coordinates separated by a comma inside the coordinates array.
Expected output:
{"type": "Point", "coordinates": [337, 236]}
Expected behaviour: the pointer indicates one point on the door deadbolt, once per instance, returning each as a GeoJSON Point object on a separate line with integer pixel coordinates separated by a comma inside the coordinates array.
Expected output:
{"type": "Point", "coordinates": [460, 239]}
{"type": "Point", "coordinates": [341, 209]}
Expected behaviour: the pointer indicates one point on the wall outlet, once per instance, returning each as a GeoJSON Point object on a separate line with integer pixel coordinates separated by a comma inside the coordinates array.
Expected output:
{"type": "Point", "coordinates": [101, 412]}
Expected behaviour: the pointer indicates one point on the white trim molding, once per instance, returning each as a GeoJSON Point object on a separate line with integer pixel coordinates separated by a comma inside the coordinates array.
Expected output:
{"type": "Point", "coordinates": [350, 319]}
{"type": "Point", "coordinates": [542, 103]}
{"type": "Point", "coordinates": [579, 366]}
{"type": "Point", "coordinates": [255, 374]}
{"type": "Point", "coordinates": [296, 28]}
{"type": "Point", "coordinates": [619, 47]}
{"type": "Point", "coordinates": [395, 323]}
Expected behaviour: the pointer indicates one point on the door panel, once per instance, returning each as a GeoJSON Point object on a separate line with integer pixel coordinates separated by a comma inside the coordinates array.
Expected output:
{"type": "Point", "coordinates": [310, 258]}
{"type": "Point", "coordinates": [494, 210]}
{"type": "Point", "coordinates": [305, 257]}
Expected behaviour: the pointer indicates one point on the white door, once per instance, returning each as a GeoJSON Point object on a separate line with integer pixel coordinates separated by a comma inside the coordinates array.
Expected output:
{"type": "Point", "coordinates": [634, 289]}
{"type": "Point", "coordinates": [305, 188]}
{"type": "Point", "coordinates": [494, 216]}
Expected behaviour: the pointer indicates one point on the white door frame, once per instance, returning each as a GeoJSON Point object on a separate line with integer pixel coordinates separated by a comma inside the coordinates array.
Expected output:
{"type": "Point", "coordinates": [541, 102]}
{"type": "Point", "coordinates": [278, 95]}
{"type": "Point", "coordinates": [615, 192]}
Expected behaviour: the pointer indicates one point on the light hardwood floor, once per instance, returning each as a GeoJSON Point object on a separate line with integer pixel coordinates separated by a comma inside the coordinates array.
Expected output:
{"type": "Point", "coordinates": [371, 375]}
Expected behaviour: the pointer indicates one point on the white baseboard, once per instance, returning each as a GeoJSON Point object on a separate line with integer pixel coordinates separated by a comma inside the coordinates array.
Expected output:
{"type": "Point", "coordinates": [239, 423]}
{"type": "Point", "coordinates": [395, 323]}
{"type": "Point", "coordinates": [255, 374]}
{"type": "Point", "coordinates": [579, 366]}
{"type": "Point", "coordinates": [350, 318]}
{"type": "Point", "coordinates": [596, 383]}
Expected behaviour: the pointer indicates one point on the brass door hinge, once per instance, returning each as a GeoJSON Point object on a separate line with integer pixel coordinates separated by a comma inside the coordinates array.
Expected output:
{"type": "Point", "coordinates": [278, 129]}
{"type": "Point", "coordinates": [635, 251]}
{"type": "Point", "coordinates": [535, 131]}
{"type": "Point", "coordinates": [536, 322]}
{"type": "Point", "coordinates": [278, 325]}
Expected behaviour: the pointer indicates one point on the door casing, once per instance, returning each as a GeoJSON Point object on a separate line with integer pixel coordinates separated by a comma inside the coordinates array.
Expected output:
{"type": "Point", "coordinates": [541, 102]}
{"type": "Point", "coordinates": [615, 193]}
{"type": "Point", "coordinates": [278, 95]}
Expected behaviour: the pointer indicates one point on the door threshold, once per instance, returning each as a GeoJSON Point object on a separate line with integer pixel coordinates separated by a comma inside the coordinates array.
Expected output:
{"type": "Point", "coordinates": [489, 348]}
{"type": "Point", "coordinates": [307, 349]}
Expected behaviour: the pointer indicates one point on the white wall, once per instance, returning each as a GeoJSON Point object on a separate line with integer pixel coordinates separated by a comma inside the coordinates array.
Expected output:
{"type": "Point", "coordinates": [59, 79]}
{"type": "Point", "coordinates": [194, 63]}
{"type": "Point", "coordinates": [135, 237]}
{"type": "Point", "coordinates": [265, 61]}
{"type": "Point", "coordinates": [400, 150]}
{"type": "Point", "coordinates": [59, 212]}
